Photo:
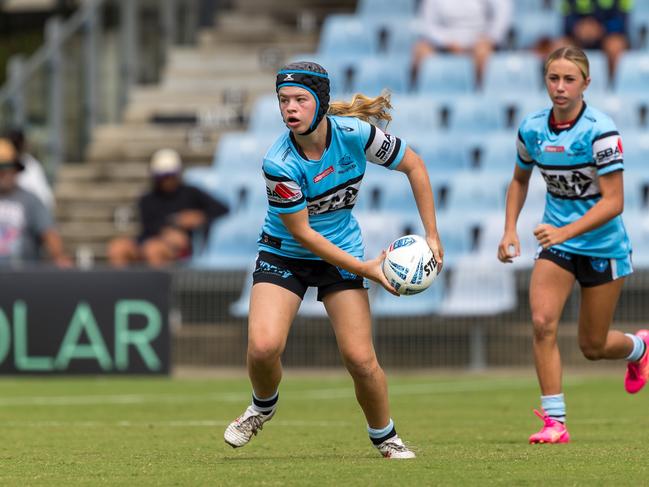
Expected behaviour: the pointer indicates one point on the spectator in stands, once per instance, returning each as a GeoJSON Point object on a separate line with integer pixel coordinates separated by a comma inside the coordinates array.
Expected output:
{"type": "Point", "coordinates": [474, 27]}
{"type": "Point", "coordinates": [170, 216]}
{"type": "Point", "coordinates": [582, 237]}
{"type": "Point", "coordinates": [310, 239]}
{"type": "Point", "coordinates": [598, 24]}
{"type": "Point", "coordinates": [26, 226]}
{"type": "Point", "coordinates": [33, 177]}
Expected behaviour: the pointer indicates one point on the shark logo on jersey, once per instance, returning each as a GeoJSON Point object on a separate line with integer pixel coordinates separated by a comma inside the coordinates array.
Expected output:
{"type": "Point", "coordinates": [571, 183]}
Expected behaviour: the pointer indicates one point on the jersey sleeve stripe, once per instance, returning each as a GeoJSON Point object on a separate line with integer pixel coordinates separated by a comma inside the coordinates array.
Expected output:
{"type": "Point", "coordinates": [371, 138]}
{"type": "Point", "coordinates": [289, 204]}
{"type": "Point", "coordinates": [617, 161]}
{"type": "Point", "coordinates": [395, 152]}
{"type": "Point", "coordinates": [270, 177]}
{"type": "Point", "coordinates": [606, 134]}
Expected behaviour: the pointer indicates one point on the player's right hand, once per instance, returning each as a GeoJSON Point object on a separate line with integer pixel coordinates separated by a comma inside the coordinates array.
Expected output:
{"type": "Point", "coordinates": [374, 271]}
{"type": "Point", "coordinates": [509, 247]}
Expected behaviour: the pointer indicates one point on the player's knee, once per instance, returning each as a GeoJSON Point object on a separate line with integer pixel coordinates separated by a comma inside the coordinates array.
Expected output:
{"type": "Point", "coordinates": [261, 351]}
{"type": "Point", "coordinates": [592, 350]}
{"type": "Point", "coordinates": [545, 326]}
{"type": "Point", "coordinates": [362, 366]}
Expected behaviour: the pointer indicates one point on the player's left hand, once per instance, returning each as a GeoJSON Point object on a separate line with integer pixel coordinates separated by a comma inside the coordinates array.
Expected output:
{"type": "Point", "coordinates": [435, 245]}
{"type": "Point", "coordinates": [548, 235]}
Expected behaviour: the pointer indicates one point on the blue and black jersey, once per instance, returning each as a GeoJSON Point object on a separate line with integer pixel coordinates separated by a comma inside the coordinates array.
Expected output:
{"type": "Point", "coordinates": [328, 187]}
{"type": "Point", "coordinates": [571, 162]}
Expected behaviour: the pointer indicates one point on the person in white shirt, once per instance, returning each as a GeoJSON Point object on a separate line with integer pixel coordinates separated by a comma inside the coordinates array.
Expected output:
{"type": "Point", "coordinates": [474, 27]}
{"type": "Point", "coordinates": [32, 178]}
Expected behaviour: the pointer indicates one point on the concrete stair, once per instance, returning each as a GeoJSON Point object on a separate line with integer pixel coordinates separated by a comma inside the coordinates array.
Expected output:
{"type": "Point", "coordinates": [205, 90]}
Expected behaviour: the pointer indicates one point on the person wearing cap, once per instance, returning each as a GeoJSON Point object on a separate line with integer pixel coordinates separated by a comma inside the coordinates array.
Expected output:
{"type": "Point", "coordinates": [26, 226]}
{"type": "Point", "coordinates": [313, 174]}
{"type": "Point", "coordinates": [169, 215]}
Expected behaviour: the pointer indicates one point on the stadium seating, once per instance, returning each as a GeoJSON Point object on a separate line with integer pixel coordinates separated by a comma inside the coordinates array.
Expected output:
{"type": "Point", "coordinates": [532, 27]}
{"type": "Point", "coordinates": [265, 116]}
{"type": "Point", "coordinates": [478, 287]}
{"type": "Point", "coordinates": [508, 72]}
{"type": "Point", "coordinates": [426, 303]}
{"type": "Point", "coordinates": [378, 73]}
{"type": "Point", "coordinates": [446, 74]}
{"type": "Point", "coordinates": [345, 37]}
{"type": "Point", "coordinates": [632, 74]}
{"type": "Point", "coordinates": [392, 9]}
{"type": "Point", "coordinates": [477, 114]}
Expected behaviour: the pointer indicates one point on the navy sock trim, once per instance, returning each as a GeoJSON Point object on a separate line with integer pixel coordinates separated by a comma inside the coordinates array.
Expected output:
{"type": "Point", "coordinates": [267, 404]}
{"type": "Point", "coordinates": [378, 441]}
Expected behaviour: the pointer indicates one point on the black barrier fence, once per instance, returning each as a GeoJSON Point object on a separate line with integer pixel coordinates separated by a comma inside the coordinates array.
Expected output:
{"type": "Point", "coordinates": [54, 321]}
{"type": "Point", "coordinates": [212, 334]}
{"type": "Point", "coordinates": [145, 322]}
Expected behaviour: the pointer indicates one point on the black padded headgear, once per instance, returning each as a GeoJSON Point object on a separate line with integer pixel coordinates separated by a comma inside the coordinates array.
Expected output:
{"type": "Point", "coordinates": [313, 78]}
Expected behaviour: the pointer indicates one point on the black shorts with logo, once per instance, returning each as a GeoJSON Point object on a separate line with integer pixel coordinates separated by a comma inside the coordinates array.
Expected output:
{"type": "Point", "coordinates": [589, 271]}
{"type": "Point", "coordinates": [297, 275]}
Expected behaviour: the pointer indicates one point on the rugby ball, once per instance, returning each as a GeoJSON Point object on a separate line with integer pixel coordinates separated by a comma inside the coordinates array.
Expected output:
{"type": "Point", "coordinates": [409, 265]}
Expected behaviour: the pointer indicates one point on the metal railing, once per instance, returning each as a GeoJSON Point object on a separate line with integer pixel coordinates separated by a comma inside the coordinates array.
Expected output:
{"type": "Point", "coordinates": [85, 70]}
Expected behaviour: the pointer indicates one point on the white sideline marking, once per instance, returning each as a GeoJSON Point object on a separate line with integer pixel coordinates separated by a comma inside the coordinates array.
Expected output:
{"type": "Point", "coordinates": [163, 424]}
{"type": "Point", "coordinates": [307, 395]}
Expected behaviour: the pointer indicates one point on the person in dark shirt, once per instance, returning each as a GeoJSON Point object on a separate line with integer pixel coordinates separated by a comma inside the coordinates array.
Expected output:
{"type": "Point", "coordinates": [169, 216]}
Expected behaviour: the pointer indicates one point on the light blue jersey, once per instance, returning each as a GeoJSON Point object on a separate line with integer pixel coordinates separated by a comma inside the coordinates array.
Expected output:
{"type": "Point", "coordinates": [571, 162]}
{"type": "Point", "coordinates": [328, 188]}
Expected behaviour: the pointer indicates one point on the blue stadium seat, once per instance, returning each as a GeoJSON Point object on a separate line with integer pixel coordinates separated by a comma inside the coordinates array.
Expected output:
{"type": "Point", "coordinates": [498, 153]}
{"type": "Point", "coordinates": [345, 37]}
{"type": "Point", "coordinates": [623, 109]}
{"type": "Point", "coordinates": [479, 288]}
{"type": "Point", "coordinates": [599, 76]}
{"type": "Point", "coordinates": [445, 74]}
{"type": "Point", "coordinates": [204, 178]}
{"type": "Point", "coordinates": [477, 191]}
{"type": "Point", "coordinates": [443, 153]}
{"type": "Point", "coordinates": [532, 27]}
{"type": "Point", "coordinates": [400, 37]}
{"type": "Point", "coordinates": [476, 114]}
{"type": "Point", "coordinates": [392, 9]}
{"type": "Point", "coordinates": [636, 223]}
{"type": "Point", "coordinates": [425, 303]}
{"type": "Point", "coordinates": [533, 6]}
{"type": "Point", "coordinates": [413, 114]}
{"type": "Point", "coordinates": [632, 73]}
{"type": "Point", "coordinates": [636, 153]}
{"type": "Point", "coordinates": [265, 116]}
{"type": "Point", "coordinates": [379, 73]}
{"type": "Point", "coordinates": [242, 152]}
{"type": "Point", "coordinates": [507, 72]}
{"type": "Point", "coordinates": [517, 107]}
{"type": "Point", "coordinates": [232, 243]}
{"type": "Point", "coordinates": [639, 25]}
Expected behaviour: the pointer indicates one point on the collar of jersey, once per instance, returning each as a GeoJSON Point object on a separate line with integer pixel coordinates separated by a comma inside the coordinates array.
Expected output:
{"type": "Point", "coordinates": [301, 153]}
{"type": "Point", "coordinates": [558, 131]}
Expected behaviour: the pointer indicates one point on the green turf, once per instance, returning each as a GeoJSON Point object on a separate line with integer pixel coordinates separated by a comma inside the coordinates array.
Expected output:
{"type": "Point", "coordinates": [467, 430]}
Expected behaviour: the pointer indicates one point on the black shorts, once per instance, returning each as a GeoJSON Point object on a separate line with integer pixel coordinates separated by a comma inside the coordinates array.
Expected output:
{"type": "Point", "coordinates": [589, 271]}
{"type": "Point", "coordinates": [297, 275]}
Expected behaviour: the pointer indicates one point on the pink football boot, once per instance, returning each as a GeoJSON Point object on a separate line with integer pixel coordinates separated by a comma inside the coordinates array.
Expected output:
{"type": "Point", "coordinates": [553, 431]}
{"type": "Point", "coordinates": [638, 372]}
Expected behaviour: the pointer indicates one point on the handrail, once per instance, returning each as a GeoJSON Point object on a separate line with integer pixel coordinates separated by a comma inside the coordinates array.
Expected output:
{"type": "Point", "coordinates": [86, 22]}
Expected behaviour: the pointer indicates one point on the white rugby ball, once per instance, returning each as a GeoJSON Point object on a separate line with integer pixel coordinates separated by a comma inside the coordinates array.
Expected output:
{"type": "Point", "coordinates": [409, 265]}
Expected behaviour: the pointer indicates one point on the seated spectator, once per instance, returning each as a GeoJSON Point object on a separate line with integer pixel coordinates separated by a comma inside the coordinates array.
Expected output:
{"type": "Point", "coordinates": [170, 215]}
{"type": "Point", "coordinates": [32, 178]}
{"type": "Point", "coordinates": [474, 27]}
{"type": "Point", "coordinates": [598, 24]}
{"type": "Point", "coordinates": [25, 224]}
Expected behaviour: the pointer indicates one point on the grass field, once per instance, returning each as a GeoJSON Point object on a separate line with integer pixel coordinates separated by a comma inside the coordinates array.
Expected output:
{"type": "Point", "coordinates": [467, 430]}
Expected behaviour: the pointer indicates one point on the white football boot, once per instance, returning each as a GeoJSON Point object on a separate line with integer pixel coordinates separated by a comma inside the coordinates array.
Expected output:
{"type": "Point", "coordinates": [241, 430]}
{"type": "Point", "coordinates": [394, 448]}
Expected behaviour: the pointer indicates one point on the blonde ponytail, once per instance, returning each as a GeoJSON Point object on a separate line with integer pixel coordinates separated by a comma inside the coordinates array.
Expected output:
{"type": "Point", "coordinates": [371, 110]}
